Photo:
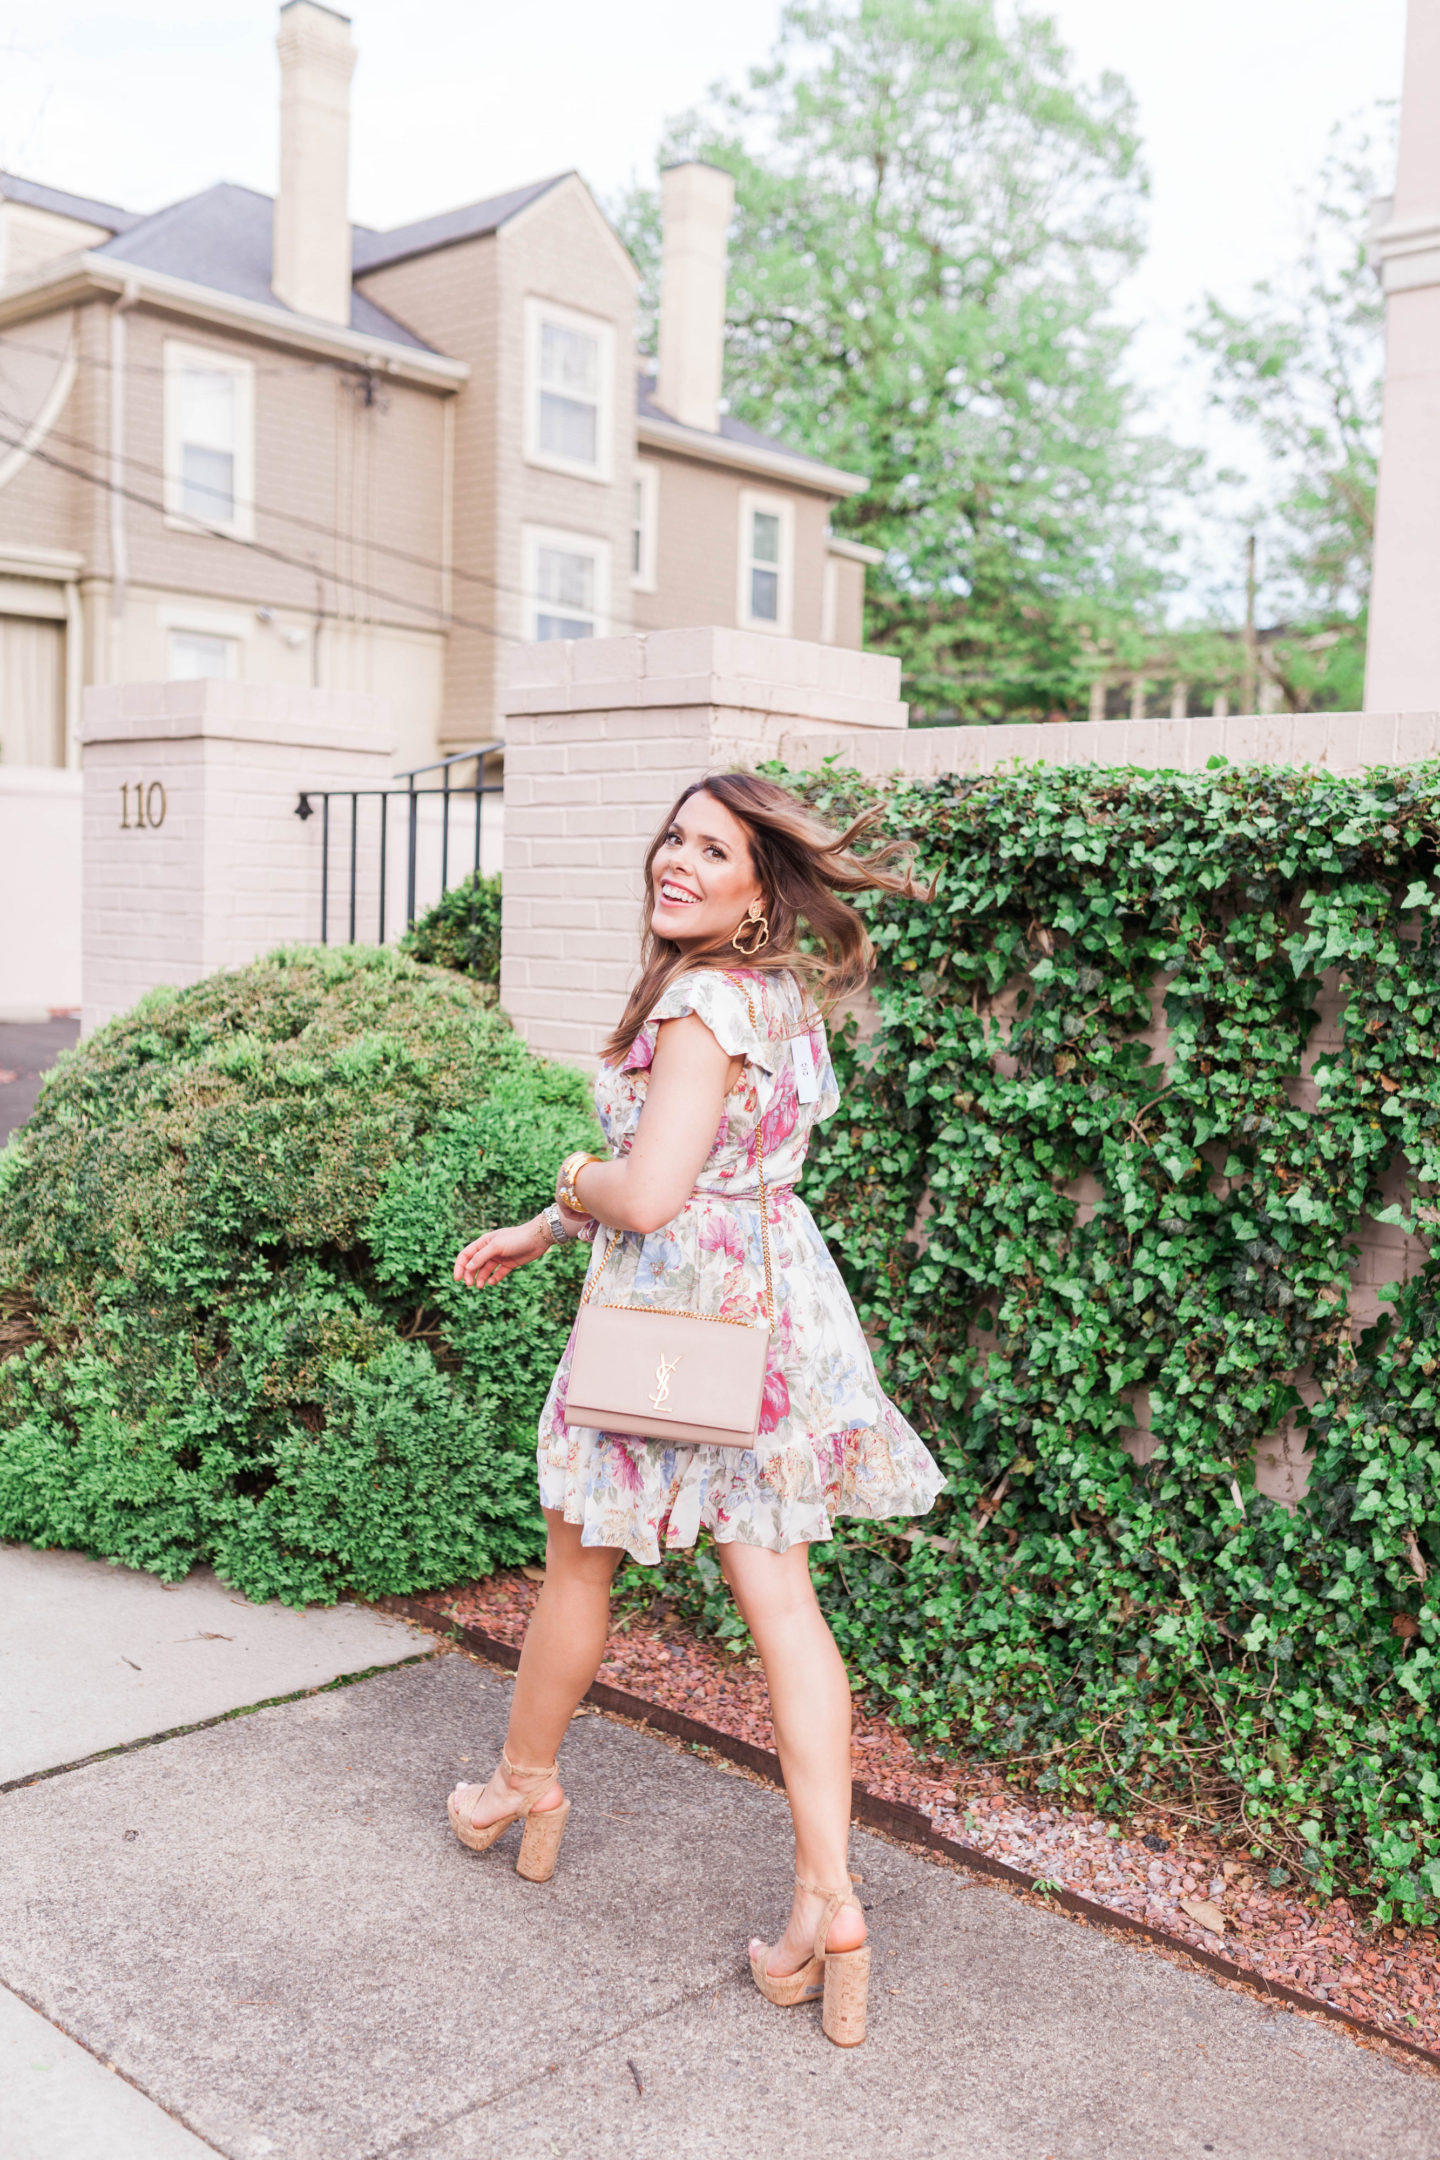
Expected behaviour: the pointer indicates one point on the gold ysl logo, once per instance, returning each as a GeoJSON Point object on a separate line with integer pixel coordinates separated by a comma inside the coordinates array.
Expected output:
{"type": "Point", "coordinates": [663, 1371]}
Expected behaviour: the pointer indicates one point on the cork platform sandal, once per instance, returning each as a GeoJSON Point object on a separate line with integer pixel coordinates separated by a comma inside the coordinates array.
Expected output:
{"type": "Point", "coordinates": [841, 1977]}
{"type": "Point", "coordinates": [540, 1845]}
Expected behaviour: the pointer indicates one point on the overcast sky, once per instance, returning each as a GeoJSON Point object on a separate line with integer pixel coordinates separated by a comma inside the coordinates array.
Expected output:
{"type": "Point", "coordinates": [455, 99]}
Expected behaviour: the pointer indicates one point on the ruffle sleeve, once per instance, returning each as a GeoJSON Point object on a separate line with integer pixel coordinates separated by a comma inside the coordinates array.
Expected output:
{"type": "Point", "coordinates": [721, 1003]}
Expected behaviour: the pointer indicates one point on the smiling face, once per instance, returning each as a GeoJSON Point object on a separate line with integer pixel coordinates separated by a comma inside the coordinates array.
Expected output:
{"type": "Point", "coordinates": [702, 878]}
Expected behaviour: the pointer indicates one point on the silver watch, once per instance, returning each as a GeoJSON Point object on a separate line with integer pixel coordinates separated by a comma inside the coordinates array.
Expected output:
{"type": "Point", "coordinates": [554, 1222]}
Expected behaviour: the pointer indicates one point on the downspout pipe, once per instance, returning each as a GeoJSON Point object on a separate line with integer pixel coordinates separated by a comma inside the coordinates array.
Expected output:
{"type": "Point", "coordinates": [119, 541]}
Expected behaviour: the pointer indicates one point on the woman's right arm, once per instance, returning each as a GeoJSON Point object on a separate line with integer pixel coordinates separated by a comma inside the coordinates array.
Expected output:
{"type": "Point", "coordinates": [689, 1079]}
{"type": "Point", "coordinates": [690, 1076]}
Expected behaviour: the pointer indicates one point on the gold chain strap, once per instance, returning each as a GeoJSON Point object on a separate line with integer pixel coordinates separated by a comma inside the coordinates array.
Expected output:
{"type": "Point", "coordinates": [722, 1319]}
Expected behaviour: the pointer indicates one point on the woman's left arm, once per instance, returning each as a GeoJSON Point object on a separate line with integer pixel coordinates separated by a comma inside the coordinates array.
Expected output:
{"type": "Point", "coordinates": [690, 1076]}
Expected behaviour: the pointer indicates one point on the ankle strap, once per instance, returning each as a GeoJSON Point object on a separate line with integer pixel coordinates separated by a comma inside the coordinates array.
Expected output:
{"type": "Point", "coordinates": [526, 1778]}
{"type": "Point", "coordinates": [834, 1900]}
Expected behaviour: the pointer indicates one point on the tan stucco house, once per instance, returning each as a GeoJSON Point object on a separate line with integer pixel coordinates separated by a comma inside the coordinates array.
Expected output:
{"type": "Point", "coordinates": [245, 437]}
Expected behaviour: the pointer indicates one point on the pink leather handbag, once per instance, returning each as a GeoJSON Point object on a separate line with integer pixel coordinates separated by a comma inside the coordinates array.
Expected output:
{"type": "Point", "coordinates": [687, 1377]}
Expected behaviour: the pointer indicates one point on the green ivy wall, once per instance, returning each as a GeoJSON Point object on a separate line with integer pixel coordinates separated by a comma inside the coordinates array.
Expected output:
{"type": "Point", "coordinates": [1048, 1226]}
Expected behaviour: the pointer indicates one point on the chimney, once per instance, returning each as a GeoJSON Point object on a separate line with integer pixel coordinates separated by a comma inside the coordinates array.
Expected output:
{"type": "Point", "coordinates": [696, 202]}
{"type": "Point", "coordinates": [312, 211]}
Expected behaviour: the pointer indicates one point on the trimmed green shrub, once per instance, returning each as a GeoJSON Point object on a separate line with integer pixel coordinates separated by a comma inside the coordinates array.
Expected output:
{"type": "Point", "coordinates": [462, 930]}
{"type": "Point", "coordinates": [226, 1242]}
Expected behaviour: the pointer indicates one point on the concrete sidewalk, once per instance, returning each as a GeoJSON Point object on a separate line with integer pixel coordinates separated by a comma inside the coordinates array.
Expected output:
{"type": "Point", "coordinates": [94, 1656]}
{"type": "Point", "coordinates": [266, 1928]}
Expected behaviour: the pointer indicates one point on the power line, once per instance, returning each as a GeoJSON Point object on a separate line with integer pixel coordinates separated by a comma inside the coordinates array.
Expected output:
{"type": "Point", "coordinates": [273, 554]}
{"type": "Point", "coordinates": [286, 517]}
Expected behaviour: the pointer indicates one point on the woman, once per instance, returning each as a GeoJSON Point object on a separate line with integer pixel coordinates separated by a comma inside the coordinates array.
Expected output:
{"type": "Point", "coordinates": [720, 1049]}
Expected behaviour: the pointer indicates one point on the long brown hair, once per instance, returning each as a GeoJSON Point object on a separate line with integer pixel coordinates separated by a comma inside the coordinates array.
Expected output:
{"type": "Point", "coordinates": [803, 867]}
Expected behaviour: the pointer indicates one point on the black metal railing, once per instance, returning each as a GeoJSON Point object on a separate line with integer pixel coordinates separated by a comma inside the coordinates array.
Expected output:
{"type": "Point", "coordinates": [351, 846]}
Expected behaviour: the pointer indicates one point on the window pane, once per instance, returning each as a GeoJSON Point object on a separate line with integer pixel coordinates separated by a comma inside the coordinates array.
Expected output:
{"type": "Point", "coordinates": [569, 360]}
{"type": "Point", "coordinates": [566, 579]}
{"type": "Point", "coordinates": [765, 541]}
{"type": "Point", "coordinates": [765, 595]}
{"type": "Point", "coordinates": [194, 658]}
{"type": "Point", "coordinates": [561, 626]}
{"type": "Point", "coordinates": [568, 429]}
{"type": "Point", "coordinates": [207, 483]}
{"type": "Point", "coordinates": [207, 408]}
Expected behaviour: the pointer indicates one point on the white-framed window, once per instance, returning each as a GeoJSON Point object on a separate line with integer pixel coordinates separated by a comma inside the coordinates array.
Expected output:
{"type": "Point", "coordinates": [569, 378]}
{"type": "Point", "coordinates": [567, 583]}
{"type": "Point", "coordinates": [767, 562]}
{"type": "Point", "coordinates": [209, 440]}
{"type": "Point", "coordinates": [645, 526]}
{"type": "Point", "coordinates": [196, 656]}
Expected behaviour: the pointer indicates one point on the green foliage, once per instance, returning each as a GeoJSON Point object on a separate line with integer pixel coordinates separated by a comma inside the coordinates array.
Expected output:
{"type": "Point", "coordinates": [226, 1242]}
{"type": "Point", "coordinates": [1115, 1630]}
{"type": "Point", "coordinates": [932, 215]}
{"type": "Point", "coordinates": [462, 930]}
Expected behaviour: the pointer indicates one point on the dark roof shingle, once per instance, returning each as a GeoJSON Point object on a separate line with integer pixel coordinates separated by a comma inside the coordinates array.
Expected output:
{"type": "Point", "coordinates": [730, 429]}
{"type": "Point", "coordinates": [223, 239]}
{"type": "Point", "coordinates": [115, 220]}
{"type": "Point", "coordinates": [471, 222]}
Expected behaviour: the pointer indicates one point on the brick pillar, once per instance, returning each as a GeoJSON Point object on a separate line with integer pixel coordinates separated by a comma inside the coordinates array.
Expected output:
{"type": "Point", "coordinates": [194, 858]}
{"type": "Point", "coordinates": [601, 735]}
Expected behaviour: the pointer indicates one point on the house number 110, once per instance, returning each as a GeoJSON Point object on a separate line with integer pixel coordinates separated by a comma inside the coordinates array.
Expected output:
{"type": "Point", "coordinates": [149, 805]}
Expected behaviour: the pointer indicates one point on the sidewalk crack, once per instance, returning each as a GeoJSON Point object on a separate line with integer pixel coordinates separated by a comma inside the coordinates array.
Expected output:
{"type": "Point", "coordinates": [527, 2082]}
{"type": "Point", "coordinates": [221, 1717]}
{"type": "Point", "coordinates": [113, 2067]}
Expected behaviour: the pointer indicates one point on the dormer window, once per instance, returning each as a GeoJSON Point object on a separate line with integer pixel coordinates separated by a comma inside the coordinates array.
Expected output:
{"type": "Point", "coordinates": [568, 390]}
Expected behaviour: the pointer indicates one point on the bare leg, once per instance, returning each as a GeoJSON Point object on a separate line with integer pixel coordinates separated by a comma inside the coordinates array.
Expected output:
{"type": "Point", "coordinates": [810, 1705]}
{"type": "Point", "coordinates": [563, 1646]}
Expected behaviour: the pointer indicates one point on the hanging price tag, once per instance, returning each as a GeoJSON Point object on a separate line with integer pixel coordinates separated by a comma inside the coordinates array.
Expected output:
{"type": "Point", "coordinates": [807, 1082]}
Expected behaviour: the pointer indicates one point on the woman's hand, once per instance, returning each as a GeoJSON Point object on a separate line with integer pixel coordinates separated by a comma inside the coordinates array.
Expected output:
{"type": "Point", "coordinates": [491, 1258]}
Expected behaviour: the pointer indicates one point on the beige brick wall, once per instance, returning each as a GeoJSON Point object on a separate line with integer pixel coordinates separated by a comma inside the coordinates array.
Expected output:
{"type": "Point", "coordinates": [698, 547]}
{"type": "Point", "coordinates": [1332, 742]}
{"type": "Point", "coordinates": [229, 871]}
{"type": "Point", "coordinates": [40, 815]}
{"type": "Point", "coordinates": [602, 737]}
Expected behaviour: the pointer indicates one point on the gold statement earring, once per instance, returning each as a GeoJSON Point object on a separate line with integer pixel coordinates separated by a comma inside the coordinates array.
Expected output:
{"type": "Point", "coordinates": [753, 934]}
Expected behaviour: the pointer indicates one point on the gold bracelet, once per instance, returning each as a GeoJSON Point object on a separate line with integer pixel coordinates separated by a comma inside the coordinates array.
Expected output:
{"type": "Point", "coordinates": [565, 1181]}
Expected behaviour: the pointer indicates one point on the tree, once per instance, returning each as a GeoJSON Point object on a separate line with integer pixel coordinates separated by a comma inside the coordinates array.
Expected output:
{"type": "Point", "coordinates": [931, 219]}
{"type": "Point", "coordinates": [1301, 366]}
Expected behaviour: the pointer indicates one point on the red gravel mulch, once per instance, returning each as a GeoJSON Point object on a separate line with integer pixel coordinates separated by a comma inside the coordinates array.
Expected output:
{"type": "Point", "coordinates": [1388, 1976]}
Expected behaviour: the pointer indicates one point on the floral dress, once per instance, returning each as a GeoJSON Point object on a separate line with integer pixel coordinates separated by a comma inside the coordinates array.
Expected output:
{"type": "Point", "coordinates": [829, 1441]}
